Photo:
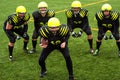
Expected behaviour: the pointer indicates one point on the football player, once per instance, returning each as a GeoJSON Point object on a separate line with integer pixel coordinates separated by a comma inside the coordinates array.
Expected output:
{"type": "Point", "coordinates": [55, 36]}
{"type": "Point", "coordinates": [17, 23]}
{"type": "Point", "coordinates": [40, 17]}
{"type": "Point", "coordinates": [77, 17]}
{"type": "Point", "coordinates": [107, 19]}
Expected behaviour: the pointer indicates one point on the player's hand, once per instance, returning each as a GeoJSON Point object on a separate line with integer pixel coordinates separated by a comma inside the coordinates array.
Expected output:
{"type": "Point", "coordinates": [43, 45]}
{"type": "Point", "coordinates": [63, 45]}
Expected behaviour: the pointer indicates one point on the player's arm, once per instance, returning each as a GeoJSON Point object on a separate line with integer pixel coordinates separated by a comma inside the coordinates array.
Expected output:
{"type": "Point", "coordinates": [25, 27]}
{"type": "Point", "coordinates": [43, 42]}
{"type": "Point", "coordinates": [99, 22]}
{"type": "Point", "coordinates": [116, 25]}
{"type": "Point", "coordinates": [9, 28]}
{"type": "Point", "coordinates": [36, 22]}
{"type": "Point", "coordinates": [26, 18]}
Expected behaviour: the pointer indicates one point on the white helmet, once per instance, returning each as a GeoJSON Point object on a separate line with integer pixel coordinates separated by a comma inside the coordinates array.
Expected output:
{"type": "Point", "coordinates": [42, 6]}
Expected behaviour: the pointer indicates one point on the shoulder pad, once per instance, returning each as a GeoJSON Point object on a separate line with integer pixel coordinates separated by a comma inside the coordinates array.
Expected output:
{"type": "Point", "coordinates": [99, 15]}
{"type": "Point", "coordinates": [35, 13]}
{"type": "Point", "coordinates": [12, 19]}
{"type": "Point", "coordinates": [27, 17]}
{"type": "Point", "coordinates": [51, 13]}
{"type": "Point", "coordinates": [63, 31]}
{"type": "Point", "coordinates": [44, 32]}
{"type": "Point", "coordinates": [69, 13]}
{"type": "Point", "coordinates": [114, 15]}
{"type": "Point", "coordinates": [83, 12]}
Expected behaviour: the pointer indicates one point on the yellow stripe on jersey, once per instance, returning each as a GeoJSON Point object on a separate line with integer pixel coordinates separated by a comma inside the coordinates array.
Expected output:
{"type": "Point", "coordinates": [69, 13]}
{"type": "Point", "coordinates": [51, 13]}
{"type": "Point", "coordinates": [14, 18]}
{"type": "Point", "coordinates": [43, 33]}
{"type": "Point", "coordinates": [46, 30]}
{"type": "Point", "coordinates": [100, 15]}
{"type": "Point", "coordinates": [27, 16]}
{"type": "Point", "coordinates": [114, 15]}
{"type": "Point", "coordinates": [63, 30]}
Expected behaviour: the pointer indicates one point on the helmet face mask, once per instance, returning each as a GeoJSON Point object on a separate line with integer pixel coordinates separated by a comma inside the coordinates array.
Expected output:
{"type": "Point", "coordinates": [75, 10]}
{"type": "Point", "coordinates": [42, 6]}
{"type": "Point", "coordinates": [21, 11]}
{"type": "Point", "coordinates": [75, 6]}
{"type": "Point", "coordinates": [43, 10]}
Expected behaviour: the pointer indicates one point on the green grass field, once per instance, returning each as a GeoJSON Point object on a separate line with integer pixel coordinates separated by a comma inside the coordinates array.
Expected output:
{"type": "Point", "coordinates": [105, 66]}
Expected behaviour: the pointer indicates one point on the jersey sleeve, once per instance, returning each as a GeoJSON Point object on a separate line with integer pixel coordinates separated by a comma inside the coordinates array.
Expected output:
{"type": "Point", "coordinates": [44, 32]}
{"type": "Point", "coordinates": [51, 13]}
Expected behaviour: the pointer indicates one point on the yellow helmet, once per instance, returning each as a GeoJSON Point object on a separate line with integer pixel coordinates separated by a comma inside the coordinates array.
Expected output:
{"type": "Point", "coordinates": [107, 7]}
{"type": "Point", "coordinates": [42, 4]}
{"type": "Point", "coordinates": [53, 22]}
{"type": "Point", "coordinates": [76, 4]}
{"type": "Point", "coordinates": [20, 9]}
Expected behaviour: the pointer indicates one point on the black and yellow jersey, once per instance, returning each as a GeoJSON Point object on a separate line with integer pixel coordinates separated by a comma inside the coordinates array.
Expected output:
{"type": "Point", "coordinates": [39, 20]}
{"type": "Point", "coordinates": [80, 19]}
{"type": "Point", "coordinates": [15, 21]}
{"type": "Point", "coordinates": [113, 20]}
{"type": "Point", "coordinates": [55, 38]}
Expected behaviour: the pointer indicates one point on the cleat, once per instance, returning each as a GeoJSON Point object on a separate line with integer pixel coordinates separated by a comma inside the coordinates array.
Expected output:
{"type": "Point", "coordinates": [43, 73]}
{"type": "Point", "coordinates": [105, 37]}
{"type": "Point", "coordinates": [25, 50]}
{"type": "Point", "coordinates": [71, 77]}
{"type": "Point", "coordinates": [91, 51]}
{"type": "Point", "coordinates": [111, 36]}
{"type": "Point", "coordinates": [32, 51]}
{"type": "Point", "coordinates": [96, 52]}
{"type": "Point", "coordinates": [73, 34]}
{"type": "Point", "coordinates": [79, 34]}
{"type": "Point", "coordinates": [11, 58]}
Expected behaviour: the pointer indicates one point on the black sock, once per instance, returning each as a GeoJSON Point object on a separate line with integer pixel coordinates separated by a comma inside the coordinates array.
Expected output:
{"type": "Point", "coordinates": [118, 45]}
{"type": "Point", "coordinates": [98, 45]}
{"type": "Point", "coordinates": [25, 45]}
{"type": "Point", "coordinates": [10, 48]}
{"type": "Point", "coordinates": [34, 44]}
{"type": "Point", "coordinates": [90, 42]}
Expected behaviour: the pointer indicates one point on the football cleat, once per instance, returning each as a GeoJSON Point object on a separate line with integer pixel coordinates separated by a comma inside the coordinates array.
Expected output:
{"type": "Point", "coordinates": [25, 50]}
{"type": "Point", "coordinates": [32, 51]}
{"type": "Point", "coordinates": [92, 50]}
{"type": "Point", "coordinates": [73, 34]}
{"type": "Point", "coordinates": [105, 37]}
{"type": "Point", "coordinates": [11, 58]}
{"type": "Point", "coordinates": [96, 52]}
{"type": "Point", "coordinates": [111, 36]}
{"type": "Point", "coordinates": [79, 34]}
{"type": "Point", "coordinates": [43, 73]}
{"type": "Point", "coordinates": [71, 77]}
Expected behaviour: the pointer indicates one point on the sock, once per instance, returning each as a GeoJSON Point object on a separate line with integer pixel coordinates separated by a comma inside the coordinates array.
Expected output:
{"type": "Point", "coordinates": [10, 48]}
{"type": "Point", "coordinates": [118, 45]}
{"type": "Point", "coordinates": [25, 45]}
{"type": "Point", "coordinates": [90, 42]}
{"type": "Point", "coordinates": [98, 45]}
{"type": "Point", "coordinates": [34, 44]}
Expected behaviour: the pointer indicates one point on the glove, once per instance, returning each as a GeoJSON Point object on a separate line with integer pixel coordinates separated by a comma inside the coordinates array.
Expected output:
{"type": "Point", "coordinates": [18, 37]}
{"type": "Point", "coordinates": [25, 34]}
